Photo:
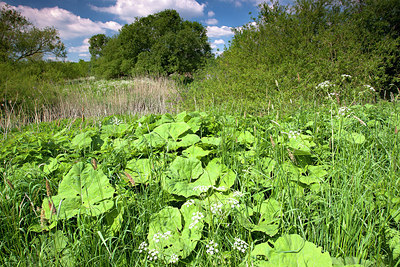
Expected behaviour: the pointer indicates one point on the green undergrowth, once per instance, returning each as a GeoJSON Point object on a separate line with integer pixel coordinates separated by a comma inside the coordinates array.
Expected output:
{"type": "Point", "coordinates": [316, 188]}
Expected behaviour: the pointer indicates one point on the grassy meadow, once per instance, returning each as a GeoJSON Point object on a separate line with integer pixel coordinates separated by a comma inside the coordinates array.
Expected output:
{"type": "Point", "coordinates": [131, 173]}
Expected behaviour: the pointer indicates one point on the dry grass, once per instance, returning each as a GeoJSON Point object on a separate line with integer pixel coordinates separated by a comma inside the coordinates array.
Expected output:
{"type": "Point", "coordinates": [93, 99]}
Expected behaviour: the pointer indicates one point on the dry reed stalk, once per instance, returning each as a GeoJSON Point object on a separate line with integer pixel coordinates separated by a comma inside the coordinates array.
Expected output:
{"type": "Point", "coordinates": [94, 163]}
{"type": "Point", "coordinates": [9, 184]}
{"type": "Point", "coordinates": [272, 141]}
{"type": "Point", "coordinates": [42, 218]}
{"type": "Point", "coordinates": [48, 190]}
{"type": "Point", "coordinates": [130, 178]}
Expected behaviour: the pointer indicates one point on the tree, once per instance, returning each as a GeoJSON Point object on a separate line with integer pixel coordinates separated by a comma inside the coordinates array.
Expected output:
{"type": "Point", "coordinates": [162, 43]}
{"type": "Point", "coordinates": [97, 43]}
{"type": "Point", "coordinates": [19, 39]}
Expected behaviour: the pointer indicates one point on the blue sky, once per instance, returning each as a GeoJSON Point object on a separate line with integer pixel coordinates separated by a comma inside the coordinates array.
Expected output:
{"type": "Point", "coordinates": [78, 20]}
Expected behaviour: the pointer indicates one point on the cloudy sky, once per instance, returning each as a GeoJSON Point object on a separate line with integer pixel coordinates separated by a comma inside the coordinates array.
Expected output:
{"type": "Point", "coordinates": [78, 20]}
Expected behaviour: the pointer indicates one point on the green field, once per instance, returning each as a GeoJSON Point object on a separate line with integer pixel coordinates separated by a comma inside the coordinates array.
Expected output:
{"type": "Point", "coordinates": [316, 188]}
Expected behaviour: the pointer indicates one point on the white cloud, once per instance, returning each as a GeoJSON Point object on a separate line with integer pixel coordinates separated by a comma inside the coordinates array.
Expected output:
{"type": "Point", "coordinates": [68, 24]}
{"type": "Point", "coordinates": [219, 42]}
{"type": "Point", "coordinates": [127, 10]}
{"type": "Point", "coordinates": [211, 21]}
{"type": "Point", "coordinates": [211, 13]}
{"type": "Point", "coordinates": [215, 31]}
{"type": "Point", "coordinates": [84, 55]}
{"type": "Point", "coordinates": [84, 48]}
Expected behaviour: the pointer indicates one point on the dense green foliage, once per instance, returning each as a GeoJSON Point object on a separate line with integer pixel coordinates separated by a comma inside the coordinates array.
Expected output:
{"type": "Point", "coordinates": [19, 39]}
{"type": "Point", "coordinates": [205, 189]}
{"type": "Point", "coordinates": [290, 50]}
{"type": "Point", "coordinates": [31, 84]}
{"type": "Point", "coordinates": [161, 44]}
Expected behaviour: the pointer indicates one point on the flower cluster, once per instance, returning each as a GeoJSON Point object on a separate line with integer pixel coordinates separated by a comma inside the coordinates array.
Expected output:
{"type": "Point", "coordinates": [343, 111]}
{"type": "Point", "coordinates": [293, 134]}
{"type": "Point", "coordinates": [204, 188]}
{"type": "Point", "coordinates": [158, 236]}
{"type": "Point", "coordinates": [143, 247]}
{"type": "Point", "coordinates": [370, 87]}
{"type": "Point", "coordinates": [212, 248]}
{"type": "Point", "coordinates": [324, 85]}
{"type": "Point", "coordinates": [153, 255]}
{"type": "Point", "coordinates": [116, 121]}
{"type": "Point", "coordinates": [346, 76]}
{"type": "Point", "coordinates": [238, 194]}
{"type": "Point", "coordinates": [188, 203]}
{"type": "Point", "coordinates": [240, 245]}
{"type": "Point", "coordinates": [174, 258]}
{"type": "Point", "coordinates": [234, 203]}
{"type": "Point", "coordinates": [333, 94]}
{"type": "Point", "coordinates": [197, 216]}
{"type": "Point", "coordinates": [216, 208]}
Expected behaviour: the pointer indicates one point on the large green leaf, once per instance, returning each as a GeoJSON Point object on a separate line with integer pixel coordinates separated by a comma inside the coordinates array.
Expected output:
{"type": "Point", "coordinates": [140, 170]}
{"type": "Point", "coordinates": [169, 235]}
{"type": "Point", "coordinates": [187, 178]}
{"type": "Point", "coordinates": [196, 152]}
{"type": "Point", "coordinates": [82, 140]}
{"type": "Point", "coordinates": [186, 141]}
{"type": "Point", "coordinates": [82, 191]}
{"type": "Point", "coordinates": [172, 130]}
{"type": "Point", "coordinates": [290, 250]}
{"type": "Point", "coordinates": [270, 211]}
{"type": "Point", "coordinates": [353, 137]}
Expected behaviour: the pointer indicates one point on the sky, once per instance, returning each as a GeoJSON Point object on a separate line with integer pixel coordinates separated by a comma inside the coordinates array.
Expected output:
{"type": "Point", "coordinates": [78, 20]}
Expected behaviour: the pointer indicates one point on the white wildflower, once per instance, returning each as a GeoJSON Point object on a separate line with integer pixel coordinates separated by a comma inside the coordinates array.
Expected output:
{"type": "Point", "coordinates": [196, 217]}
{"type": "Point", "coordinates": [333, 94]}
{"type": "Point", "coordinates": [369, 87]}
{"type": "Point", "coordinates": [216, 208]}
{"type": "Point", "coordinates": [221, 188]}
{"type": "Point", "coordinates": [188, 203]}
{"type": "Point", "coordinates": [345, 76]}
{"type": "Point", "coordinates": [240, 245]}
{"type": "Point", "coordinates": [293, 134]}
{"type": "Point", "coordinates": [166, 235]}
{"type": "Point", "coordinates": [212, 248]}
{"type": "Point", "coordinates": [343, 111]}
{"type": "Point", "coordinates": [156, 237]}
{"type": "Point", "coordinates": [143, 247]}
{"type": "Point", "coordinates": [238, 194]}
{"type": "Point", "coordinates": [324, 85]}
{"type": "Point", "coordinates": [202, 188]}
{"type": "Point", "coordinates": [234, 203]}
{"type": "Point", "coordinates": [153, 255]}
{"type": "Point", "coordinates": [174, 258]}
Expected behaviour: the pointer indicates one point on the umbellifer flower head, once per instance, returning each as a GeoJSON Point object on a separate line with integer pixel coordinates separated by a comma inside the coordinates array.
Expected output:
{"type": "Point", "coordinates": [212, 248]}
{"type": "Point", "coordinates": [240, 245]}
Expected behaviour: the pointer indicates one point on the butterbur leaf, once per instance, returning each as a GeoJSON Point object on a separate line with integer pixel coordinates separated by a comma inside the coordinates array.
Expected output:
{"type": "Point", "coordinates": [212, 141]}
{"type": "Point", "coordinates": [149, 141]}
{"type": "Point", "coordinates": [172, 130]}
{"type": "Point", "coordinates": [140, 170]}
{"type": "Point", "coordinates": [185, 169]}
{"type": "Point", "coordinates": [83, 190]}
{"type": "Point", "coordinates": [353, 137]}
{"type": "Point", "coordinates": [245, 138]}
{"type": "Point", "coordinates": [196, 152]}
{"type": "Point", "coordinates": [290, 250]}
{"type": "Point", "coordinates": [169, 235]}
{"type": "Point", "coordinates": [186, 141]}
{"type": "Point", "coordinates": [82, 140]}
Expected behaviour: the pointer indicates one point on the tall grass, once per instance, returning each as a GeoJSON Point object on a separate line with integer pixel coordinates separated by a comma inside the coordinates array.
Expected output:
{"type": "Point", "coordinates": [88, 98]}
